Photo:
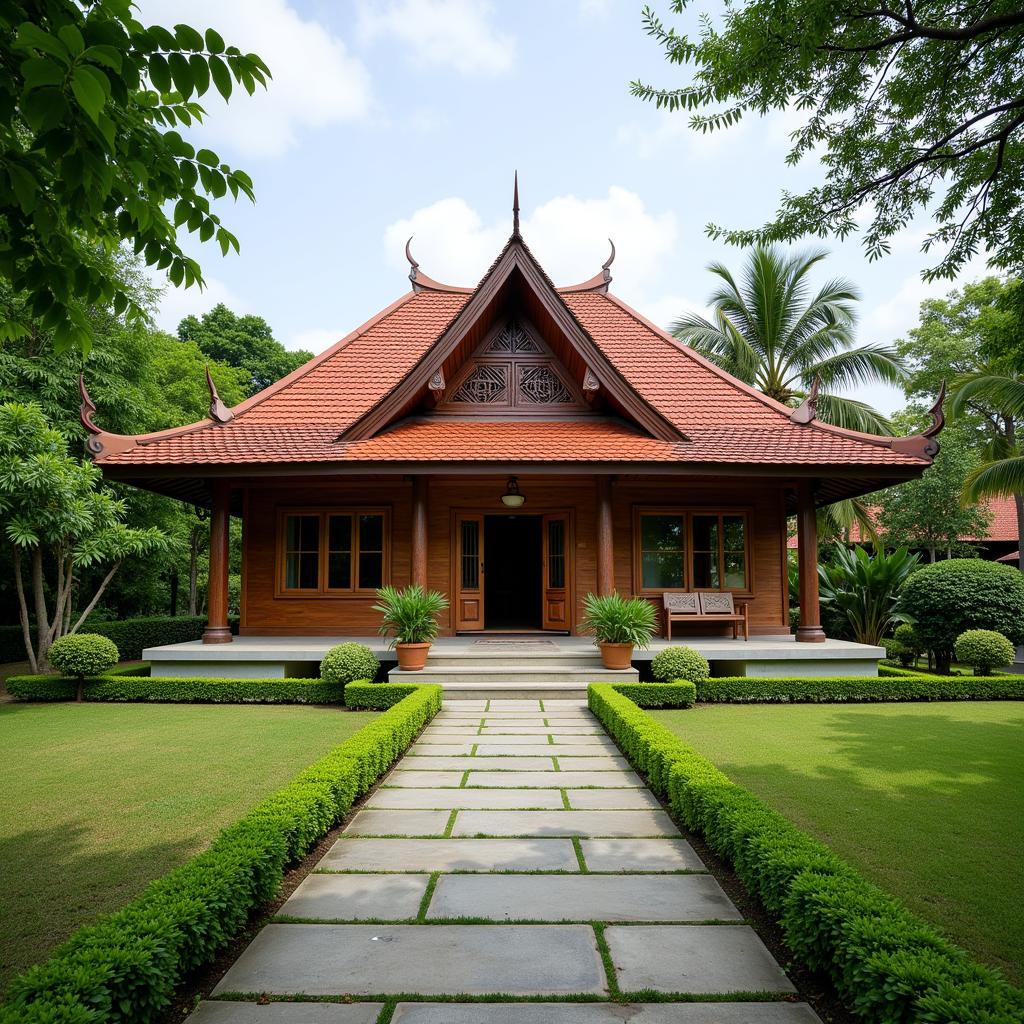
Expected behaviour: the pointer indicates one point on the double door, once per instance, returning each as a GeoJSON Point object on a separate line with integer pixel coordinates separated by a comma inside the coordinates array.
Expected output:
{"type": "Point", "coordinates": [553, 551]}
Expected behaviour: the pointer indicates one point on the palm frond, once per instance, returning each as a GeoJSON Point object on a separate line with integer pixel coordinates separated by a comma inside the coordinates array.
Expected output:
{"type": "Point", "coordinates": [858, 366]}
{"type": "Point", "coordinates": [1005, 394]}
{"type": "Point", "coordinates": [996, 479]}
{"type": "Point", "coordinates": [853, 415]}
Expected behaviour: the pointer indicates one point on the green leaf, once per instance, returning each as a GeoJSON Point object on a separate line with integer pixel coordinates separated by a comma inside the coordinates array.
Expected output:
{"type": "Point", "coordinates": [42, 71]}
{"type": "Point", "coordinates": [71, 38]}
{"type": "Point", "coordinates": [200, 73]}
{"type": "Point", "coordinates": [88, 92]}
{"type": "Point", "coordinates": [181, 73]}
{"type": "Point", "coordinates": [25, 186]}
{"type": "Point", "coordinates": [106, 55]}
{"type": "Point", "coordinates": [221, 77]}
{"type": "Point", "coordinates": [159, 73]}
{"type": "Point", "coordinates": [208, 157]}
{"type": "Point", "coordinates": [187, 37]}
{"type": "Point", "coordinates": [214, 42]}
{"type": "Point", "coordinates": [33, 37]}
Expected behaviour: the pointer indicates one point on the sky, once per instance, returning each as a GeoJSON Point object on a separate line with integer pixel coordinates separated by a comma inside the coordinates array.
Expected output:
{"type": "Point", "coordinates": [391, 118]}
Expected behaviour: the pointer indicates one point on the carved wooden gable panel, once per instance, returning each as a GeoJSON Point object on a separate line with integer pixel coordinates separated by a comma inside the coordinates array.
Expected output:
{"type": "Point", "coordinates": [513, 371]}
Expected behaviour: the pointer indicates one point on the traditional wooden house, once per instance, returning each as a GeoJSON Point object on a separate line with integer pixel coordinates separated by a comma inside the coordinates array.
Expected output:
{"type": "Point", "coordinates": [515, 445]}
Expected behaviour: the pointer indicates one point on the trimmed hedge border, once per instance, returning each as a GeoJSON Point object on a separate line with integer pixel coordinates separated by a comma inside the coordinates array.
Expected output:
{"type": "Point", "coordinates": [198, 690]}
{"type": "Point", "coordinates": [126, 967]}
{"type": "Point", "coordinates": [680, 693]}
{"type": "Point", "coordinates": [888, 965]}
{"type": "Point", "coordinates": [364, 695]}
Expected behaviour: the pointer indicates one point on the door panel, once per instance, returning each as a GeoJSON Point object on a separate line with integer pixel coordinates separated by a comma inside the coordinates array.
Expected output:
{"type": "Point", "coordinates": [557, 572]}
{"type": "Point", "coordinates": [469, 572]}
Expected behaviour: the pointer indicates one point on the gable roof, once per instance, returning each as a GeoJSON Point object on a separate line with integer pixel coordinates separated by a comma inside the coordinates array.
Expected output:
{"type": "Point", "coordinates": [359, 401]}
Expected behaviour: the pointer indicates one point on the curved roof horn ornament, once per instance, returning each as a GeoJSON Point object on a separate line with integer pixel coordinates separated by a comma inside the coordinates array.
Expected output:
{"type": "Point", "coordinates": [413, 265]}
{"type": "Point", "coordinates": [925, 445]}
{"type": "Point", "coordinates": [807, 411]}
{"type": "Point", "coordinates": [606, 266]}
{"type": "Point", "coordinates": [219, 412]}
{"type": "Point", "coordinates": [99, 442]}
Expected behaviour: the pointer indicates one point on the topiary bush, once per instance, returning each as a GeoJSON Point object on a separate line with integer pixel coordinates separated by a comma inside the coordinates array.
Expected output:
{"type": "Point", "coordinates": [83, 654]}
{"type": "Point", "coordinates": [983, 650]}
{"type": "Point", "coordinates": [906, 636]}
{"type": "Point", "coordinates": [348, 662]}
{"type": "Point", "coordinates": [680, 663]}
{"type": "Point", "coordinates": [947, 598]}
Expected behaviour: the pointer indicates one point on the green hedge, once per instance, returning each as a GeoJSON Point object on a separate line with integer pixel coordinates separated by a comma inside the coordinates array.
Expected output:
{"type": "Point", "coordinates": [680, 693]}
{"type": "Point", "coordinates": [180, 691]}
{"type": "Point", "coordinates": [900, 686]}
{"type": "Point", "coordinates": [888, 966]}
{"type": "Point", "coordinates": [125, 968]}
{"type": "Point", "coordinates": [369, 696]}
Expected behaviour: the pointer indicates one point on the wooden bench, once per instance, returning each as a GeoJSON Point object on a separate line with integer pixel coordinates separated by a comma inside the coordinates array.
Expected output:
{"type": "Point", "coordinates": [706, 606]}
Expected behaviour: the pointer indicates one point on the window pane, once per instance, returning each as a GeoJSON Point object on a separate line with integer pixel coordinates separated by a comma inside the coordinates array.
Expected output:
{"type": "Point", "coordinates": [469, 569]}
{"type": "Point", "coordinates": [309, 565]}
{"type": "Point", "coordinates": [661, 533]}
{"type": "Point", "coordinates": [732, 532]}
{"type": "Point", "coordinates": [662, 569]}
{"type": "Point", "coordinates": [556, 553]}
{"type": "Point", "coordinates": [371, 533]}
{"type": "Point", "coordinates": [302, 552]}
{"type": "Point", "coordinates": [291, 571]}
{"type": "Point", "coordinates": [705, 533]}
{"type": "Point", "coordinates": [371, 570]}
{"type": "Point", "coordinates": [705, 570]}
{"type": "Point", "coordinates": [735, 571]}
{"type": "Point", "coordinates": [339, 533]}
{"type": "Point", "coordinates": [339, 570]}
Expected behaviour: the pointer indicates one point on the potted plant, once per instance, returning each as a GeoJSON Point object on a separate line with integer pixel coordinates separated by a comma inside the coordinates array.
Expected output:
{"type": "Point", "coordinates": [618, 626]}
{"type": "Point", "coordinates": [410, 617]}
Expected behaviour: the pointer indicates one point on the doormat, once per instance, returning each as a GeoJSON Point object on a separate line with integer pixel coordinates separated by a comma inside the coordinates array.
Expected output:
{"type": "Point", "coordinates": [515, 643]}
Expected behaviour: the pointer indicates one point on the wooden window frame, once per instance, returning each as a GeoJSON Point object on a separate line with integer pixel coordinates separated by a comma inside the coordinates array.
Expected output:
{"type": "Point", "coordinates": [322, 590]}
{"type": "Point", "coordinates": [687, 512]}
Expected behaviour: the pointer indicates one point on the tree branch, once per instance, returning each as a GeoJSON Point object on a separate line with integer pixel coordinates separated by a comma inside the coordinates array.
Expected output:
{"type": "Point", "coordinates": [26, 629]}
{"type": "Point", "coordinates": [95, 598]}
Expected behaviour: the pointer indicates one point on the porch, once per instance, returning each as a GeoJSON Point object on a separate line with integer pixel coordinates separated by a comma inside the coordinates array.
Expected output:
{"type": "Point", "coordinates": [502, 664]}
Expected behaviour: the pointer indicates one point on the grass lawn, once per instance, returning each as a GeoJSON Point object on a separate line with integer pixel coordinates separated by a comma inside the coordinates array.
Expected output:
{"type": "Point", "coordinates": [926, 799]}
{"type": "Point", "coordinates": [101, 798]}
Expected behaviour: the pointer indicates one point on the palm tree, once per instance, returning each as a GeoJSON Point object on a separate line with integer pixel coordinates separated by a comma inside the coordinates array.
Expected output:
{"type": "Point", "coordinates": [1002, 469]}
{"type": "Point", "coordinates": [771, 332]}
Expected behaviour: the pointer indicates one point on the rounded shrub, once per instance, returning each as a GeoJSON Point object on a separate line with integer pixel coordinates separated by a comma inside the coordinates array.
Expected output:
{"type": "Point", "coordinates": [83, 654]}
{"type": "Point", "coordinates": [906, 636]}
{"type": "Point", "coordinates": [680, 663]}
{"type": "Point", "coordinates": [348, 662]}
{"type": "Point", "coordinates": [948, 598]}
{"type": "Point", "coordinates": [983, 650]}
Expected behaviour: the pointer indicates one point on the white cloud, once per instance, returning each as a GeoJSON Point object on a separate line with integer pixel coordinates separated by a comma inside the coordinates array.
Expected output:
{"type": "Point", "coordinates": [177, 303]}
{"type": "Point", "coordinates": [314, 340]}
{"type": "Point", "coordinates": [458, 34]}
{"type": "Point", "coordinates": [664, 311]}
{"type": "Point", "coordinates": [595, 9]}
{"type": "Point", "coordinates": [316, 81]}
{"type": "Point", "coordinates": [569, 236]}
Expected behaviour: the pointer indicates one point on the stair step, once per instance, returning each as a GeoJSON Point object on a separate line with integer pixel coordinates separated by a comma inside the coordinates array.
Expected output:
{"type": "Point", "coordinates": [513, 677]}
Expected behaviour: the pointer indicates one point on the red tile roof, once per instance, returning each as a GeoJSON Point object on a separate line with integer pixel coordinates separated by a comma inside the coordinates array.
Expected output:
{"type": "Point", "coordinates": [298, 419]}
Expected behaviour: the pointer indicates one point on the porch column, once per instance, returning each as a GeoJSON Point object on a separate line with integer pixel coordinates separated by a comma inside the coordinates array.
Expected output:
{"type": "Point", "coordinates": [809, 631]}
{"type": "Point", "coordinates": [605, 550]}
{"type": "Point", "coordinates": [419, 531]}
{"type": "Point", "coordinates": [217, 630]}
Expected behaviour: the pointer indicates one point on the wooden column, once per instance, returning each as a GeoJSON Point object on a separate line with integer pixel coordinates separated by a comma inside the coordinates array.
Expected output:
{"type": "Point", "coordinates": [419, 530]}
{"type": "Point", "coordinates": [809, 631]}
{"type": "Point", "coordinates": [217, 630]}
{"type": "Point", "coordinates": [605, 549]}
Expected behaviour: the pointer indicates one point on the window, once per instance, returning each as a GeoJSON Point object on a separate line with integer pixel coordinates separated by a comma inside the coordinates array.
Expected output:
{"type": "Point", "coordinates": [333, 552]}
{"type": "Point", "coordinates": [691, 550]}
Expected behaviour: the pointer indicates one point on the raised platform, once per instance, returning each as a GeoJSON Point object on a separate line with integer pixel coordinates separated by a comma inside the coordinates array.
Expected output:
{"type": "Point", "coordinates": [533, 665]}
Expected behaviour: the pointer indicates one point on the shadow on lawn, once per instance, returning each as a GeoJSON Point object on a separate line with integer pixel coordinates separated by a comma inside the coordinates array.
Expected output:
{"type": "Point", "coordinates": [59, 877]}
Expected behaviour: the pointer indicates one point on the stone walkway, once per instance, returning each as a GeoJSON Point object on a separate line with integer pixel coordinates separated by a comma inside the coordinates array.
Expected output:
{"type": "Point", "coordinates": [512, 852]}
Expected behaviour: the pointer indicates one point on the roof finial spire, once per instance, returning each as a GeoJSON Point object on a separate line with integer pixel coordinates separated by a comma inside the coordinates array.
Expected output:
{"type": "Point", "coordinates": [515, 207]}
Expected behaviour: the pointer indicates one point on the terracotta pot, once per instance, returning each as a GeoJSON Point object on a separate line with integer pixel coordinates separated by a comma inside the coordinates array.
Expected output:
{"type": "Point", "coordinates": [412, 657]}
{"type": "Point", "coordinates": [616, 656]}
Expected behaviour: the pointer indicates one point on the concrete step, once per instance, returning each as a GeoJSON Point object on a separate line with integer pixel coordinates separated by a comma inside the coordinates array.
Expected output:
{"type": "Point", "coordinates": [514, 675]}
{"type": "Point", "coordinates": [576, 663]}
{"type": "Point", "coordinates": [521, 691]}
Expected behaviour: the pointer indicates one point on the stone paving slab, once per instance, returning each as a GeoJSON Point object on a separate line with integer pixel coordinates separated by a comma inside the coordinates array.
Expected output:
{"type": "Point", "coordinates": [640, 855]}
{"type": "Point", "coordinates": [351, 897]}
{"type": "Point", "coordinates": [440, 749]}
{"type": "Point", "coordinates": [541, 730]}
{"type": "Point", "coordinates": [558, 780]}
{"type": "Point", "coordinates": [612, 799]}
{"type": "Point", "coordinates": [564, 823]}
{"type": "Point", "coordinates": [525, 741]}
{"type": "Point", "coordinates": [450, 855]}
{"type": "Point", "coordinates": [608, 762]}
{"type": "Point", "coordinates": [426, 763]}
{"type": "Point", "coordinates": [700, 959]}
{"type": "Point", "coordinates": [469, 799]}
{"type": "Point", "coordinates": [412, 779]}
{"type": "Point", "coordinates": [398, 823]}
{"type": "Point", "coordinates": [448, 731]}
{"type": "Point", "coordinates": [536, 749]}
{"type": "Point", "coordinates": [604, 1013]}
{"type": "Point", "coordinates": [328, 959]}
{"type": "Point", "coordinates": [210, 1012]}
{"type": "Point", "coordinates": [582, 898]}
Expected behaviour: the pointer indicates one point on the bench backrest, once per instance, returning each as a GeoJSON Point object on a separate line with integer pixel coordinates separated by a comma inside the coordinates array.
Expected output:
{"type": "Point", "coordinates": [681, 604]}
{"type": "Point", "coordinates": [717, 602]}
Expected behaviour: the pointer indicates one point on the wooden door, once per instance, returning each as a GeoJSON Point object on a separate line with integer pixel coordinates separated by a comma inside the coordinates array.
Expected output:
{"type": "Point", "coordinates": [469, 571]}
{"type": "Point", "coordinates": [557, 572]}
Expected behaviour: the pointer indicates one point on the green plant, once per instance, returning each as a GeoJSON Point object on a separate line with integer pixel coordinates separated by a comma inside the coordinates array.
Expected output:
{"type": "Point", "coordinates": [618, 620]}
{"type": "Point", "coordinates": [910, 643]}
{"type": "Point", "coordinates": [948, 598]}
{"type": "Point", "coordinates": [680, 693]}
{"type": "Point", "coordinates": [680, 663]}
{"type": "Point", "coordinates": [348, 662]}
{"type": "Point", "coordinates": [83, 654]}
{"type": "Point", "coordinates": [983, 650]}
{"type": "Point", "coordinates": [409, 614]}
{"type": "Point", "coordinates": [888, 966]}
{"type": "Point", "coordinates": [125, 968]}
{"type": "Point", "coordinates": [865, 588]}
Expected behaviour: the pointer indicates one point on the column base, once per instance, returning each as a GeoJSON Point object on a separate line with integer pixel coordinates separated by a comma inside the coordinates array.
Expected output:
{"type": "Point", "coordinates": [810, 635]}
{"type": "Point", "coordinates": [217, 635]}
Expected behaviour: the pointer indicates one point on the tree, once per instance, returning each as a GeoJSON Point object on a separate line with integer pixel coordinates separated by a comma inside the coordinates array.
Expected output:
{"type": "Point", "coordinates": [246, 342]}
{"type": "Point", "coordinates": [913, 106]}
{"type": "Point", "coordinates": [90, 154]}
{"type": "Point", "coordinates": [58, 521]}
{"type": "Point", "coordinates": [771, 332]}
{"type": "Point", "coordinates": [928, 512]}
